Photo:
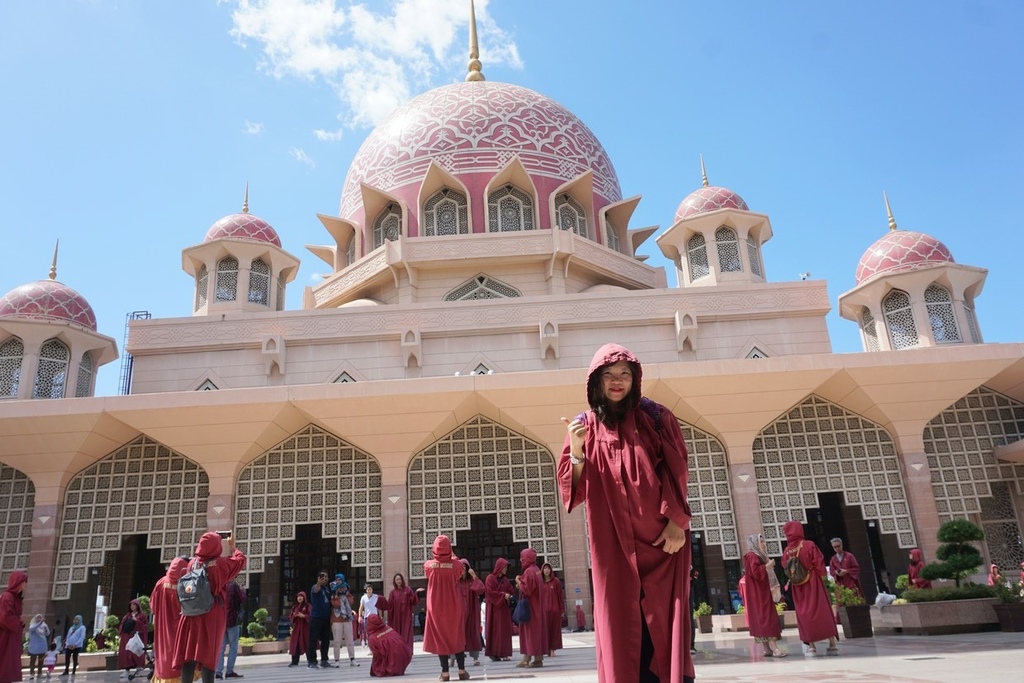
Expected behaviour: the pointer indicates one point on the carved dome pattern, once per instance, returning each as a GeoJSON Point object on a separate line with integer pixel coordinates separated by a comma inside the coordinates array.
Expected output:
{"type": "Point", "coordinates": [473, 128]}
{"type": "Point", "coordinates": [48, 300]}
{"type": "Point", "coordinates": [708, 199]}
{"type": "Point", "coordinates": [243, 226]}
{"type": "Point", "coordinates": [899, 251]}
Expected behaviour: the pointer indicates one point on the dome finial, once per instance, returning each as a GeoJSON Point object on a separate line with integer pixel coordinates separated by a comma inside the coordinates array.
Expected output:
{"type": "Point", "coordinates": [892, 221]}
{"type": "Point", "coordinates": [53, 266]}
{"type": "Point", "coordinates": [703, 173]}
{"type": "Point", "coordinates": [245, 201]}
{"type": "Point", "coordinates": [475, 73]}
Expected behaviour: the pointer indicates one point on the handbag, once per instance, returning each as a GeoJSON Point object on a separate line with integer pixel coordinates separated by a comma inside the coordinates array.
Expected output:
{"type": "Point", "coordinates": [521, 615]}
{"type": "Point", "coordinates": [135, 645]}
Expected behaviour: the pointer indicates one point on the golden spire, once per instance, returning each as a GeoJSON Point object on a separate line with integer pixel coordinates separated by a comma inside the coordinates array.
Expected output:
{"type": "Point", "coordinates": [892, 221]}
{"type": "Point", "coordinates": [53, 266]}
{"type": "Point", "coordinates": [475, 73]}
{"type": "Point", "coordinates": [245, 202]}
{"type": "Point", "coordinates": [703, 173]}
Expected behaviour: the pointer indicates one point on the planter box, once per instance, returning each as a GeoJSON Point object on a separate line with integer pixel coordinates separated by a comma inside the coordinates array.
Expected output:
{"type": "Point", "coordinates": [1010, 615]}
{"type": "Point", "coordinates": [856, 621]}
{"type": "Point", "coordinates": [729, 623]}
{"type": "Point", "coordinates": [704, 623]}
{"type": "Point", "coordinates": [789, 619]}
{"type": "Point", "coordinates": [270, 647]}
{"type": "Point", "coordinates": [936, 618]}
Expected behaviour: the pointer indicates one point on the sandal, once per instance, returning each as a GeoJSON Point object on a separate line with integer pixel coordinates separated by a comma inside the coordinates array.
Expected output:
{"type": "Point", "coordinates": [779, 654]}
{"type": "Point", "coordinates": [463, 675]}
{"type": "Point", "coordinates": [832, 652]}
{"type": "Point", "coordinates": [535, 664]}
{"type": "Point", "coordinates": [444, 677]}
{"type": "Point", "coordinates": [522, 663]}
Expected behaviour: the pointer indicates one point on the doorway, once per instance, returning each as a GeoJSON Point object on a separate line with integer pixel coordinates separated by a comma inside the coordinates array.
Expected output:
{"type": "Point", "coordinates": [484, 542]}
{"type": "Point", "coordinates": [310, 552]}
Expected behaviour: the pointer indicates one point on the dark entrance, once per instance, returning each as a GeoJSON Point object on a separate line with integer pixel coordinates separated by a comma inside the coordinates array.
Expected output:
{"type": "Point", "coordinates": [835, 519]}
{"type": "Point", "coordinates": [484, 542]}
{"type": "Point", "coordinates": [130, 572]}
{"type": "Point", "coordinates": [302, 558]}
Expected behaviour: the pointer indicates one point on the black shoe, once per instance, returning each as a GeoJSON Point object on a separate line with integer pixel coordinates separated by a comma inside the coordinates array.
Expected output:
{"type": "Point", "coordinates": [218, 676]}
{"type": "Point", "coordinates": [327, 665]}
{"type": "Point", "coordinates": [312, 666]}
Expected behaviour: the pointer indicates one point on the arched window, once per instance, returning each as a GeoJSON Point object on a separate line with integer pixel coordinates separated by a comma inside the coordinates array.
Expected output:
{"type": "Point", "coordinates": [446, 213]}
{"type": "Point", "coordinates": [941, 316]}
{"type": "Point", "coordinates": [611, 234]}
{"type": "Point", "coordinates": [11, 353]}
{"type": "Point", "coordinates": [570, 215]}
{"type": "Point", "coordinates": [83, 387]}
{"type": "Point", "coordinates": [728, 250]}
{"type": "Point", "coordinates": [754, 256]}
{"type": "Point", "coordinates": [482, 287]}
{"type": "Point", "coordinates": [509, 209]}
{"type": "Point", "coordinates": [227, 278]}
{"type": "Point", "coordinates": [697, 257]}
{"type": "Point", "coordinates": [972, 323]}
{"type": "Point", "coordinates": [899, 320]}
{"type": "Point", "coordinates": [52, 372]}
{"type": "Point", "coordinates": [202, 276]}
{"type": "Point", "coordinates": [350, 253]}
{"type": "Point", "coordinates": [259, 283]}
{"type": "Point", "coordinates": [867, 326]}
{"type": "Point", "coordinates": [388, 225]}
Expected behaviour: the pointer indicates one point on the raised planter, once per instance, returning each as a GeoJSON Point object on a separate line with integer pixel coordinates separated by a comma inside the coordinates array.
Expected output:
{"type": "Point", "coordinates": [789, 619]}
{"type": "Point", "coordinates": [936, 618]}
{"type": "Point", "coordinates": [704, 623]}
{"type": "Point", "coordinates": [729, 623]}
{"type": "Point", "coordinates": [1010, 615]}
{"type": "Point", "coordinates": [270, 647]}
{"type": "Point", "coordinates": [856, 621]}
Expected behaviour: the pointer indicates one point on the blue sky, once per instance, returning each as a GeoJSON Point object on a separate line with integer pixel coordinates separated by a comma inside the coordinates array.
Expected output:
{"type": "Point", "coordinates": [127, 128]}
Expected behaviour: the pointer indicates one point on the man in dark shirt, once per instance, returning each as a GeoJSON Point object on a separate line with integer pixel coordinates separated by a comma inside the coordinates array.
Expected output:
{"type": "Point", "coordinates": [319, 623]}
{"type": "Point", "coordinates": [234, 605]}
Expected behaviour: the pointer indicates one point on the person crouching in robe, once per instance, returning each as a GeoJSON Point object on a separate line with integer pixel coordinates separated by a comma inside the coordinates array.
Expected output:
{"type": "Point", "coordinates": [391, 653]}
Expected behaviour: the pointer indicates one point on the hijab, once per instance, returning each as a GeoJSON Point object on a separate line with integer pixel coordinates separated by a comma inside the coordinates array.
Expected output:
{"type": "Point", "coordinates": [754, 546]}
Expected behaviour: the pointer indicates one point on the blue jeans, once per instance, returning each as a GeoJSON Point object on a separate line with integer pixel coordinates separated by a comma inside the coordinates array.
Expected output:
{"type": "Point", "coordinates": [231, 641]}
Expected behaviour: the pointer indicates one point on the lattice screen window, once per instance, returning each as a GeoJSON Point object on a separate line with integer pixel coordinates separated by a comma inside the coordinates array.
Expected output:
{"type": "Point", "coordinates": [697, 257]}
{"type": "Point", "coordinates": [259, 283]}
{"type": "Point", "coordinates": [202, 278]}
{"type": "Point", "coordinates": [941, 315]}
{"type": "Point", "coordinates": [710, 495]}
{"type": "Point", "coordinates": [972, 324]}
{"type": "Point", "coordinates": [344, 378]}
{"type": "Point", "coordinates": [227, 278]}
{"type": "Point", "coordinates": [312, 477]}
{"type": "Point", "coordinates": [387, 225]}
{"type": "Point", "coordinates": [17, 505]}
{"type": "Point", "coordinates": [570, 215]}
{"type": "Point", "coordinates": [728, 250]}
{"type": "Point", "coordinates": [350, 253]}
{"type": "Point", "coordinates": [754, 256]}
{"type": "Point", "coordinates": [868, 329]}
{"type": "Point", "coordinates": [482, 287]}
{"type": "Point", "coordinates": [280, 292]}
{"type": "Point", "coordinates": [509, 209]}
{"type": "Point", "coordinates": [611, 234]}
{"type": "Point", "coordinates": [83, 387]}
{"type": "Point", "coordinates": [959, 443]}
{"type": "Point", "coordinates": [482, 467]}
{"type": "Point", "coordinates": [820, 447]}
{"type": "Point", "coordinates": [142, 488]}
{"type": "Point", "coordinates": [446, 213]}
{"type": "Point", "coordinates": [1002, 532]}
{"type": "Point", "coordinates": [52, 371]}
{"type": "Point", "coordinates": [11, 352]}
{"type": "Point", "coordinates": [899, 320]}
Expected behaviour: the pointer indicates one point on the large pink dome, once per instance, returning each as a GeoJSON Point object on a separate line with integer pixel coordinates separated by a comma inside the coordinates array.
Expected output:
{"type": "Point", "coordinates": [708, 199]}
{"type": "Point", "coordinates": [901, 250]}
{"type": "Point", "coordinates": [48, 300]}
{"type": "Point", "coordinates": [243, 226]}
{"type": "Point", "coordinates": [473, 130]}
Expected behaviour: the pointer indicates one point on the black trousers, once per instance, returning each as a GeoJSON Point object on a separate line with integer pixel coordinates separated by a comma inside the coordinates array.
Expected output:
{"type": "Point", "coordinates": [319, 632]}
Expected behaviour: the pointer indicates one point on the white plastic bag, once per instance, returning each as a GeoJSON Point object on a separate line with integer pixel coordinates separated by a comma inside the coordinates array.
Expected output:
{"type": "Point", "coordinates": [135, 645]}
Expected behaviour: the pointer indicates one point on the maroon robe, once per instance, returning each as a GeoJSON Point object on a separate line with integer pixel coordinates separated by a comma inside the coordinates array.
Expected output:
{"type": "Point", "coordinates": [400, 603]}
{"type": "Point", "coordinates": [445, 632]}
{"type": "Point", "coordinates": [299, 616]}
{"type": "Point", "coordinates": [851, 579]}
{"type": "Point", "coordinates": [163, 602]}
{"type": "Point", "coordinates": [762, 619]}
{"type": "Point", "coordinates": [11, 627]}
{"type": "Point", "coordinates": [633, 482]}
{"type": "Point", "coordinates": [553, 603]}
{"type": "Point", "coordinates": [498, 620]}
{"type": "Point", "coordinates": [470, 590]}
{"type": "Point", "coordinates": [126, 659]}
{"type": "Point", "coordinates": [200, 639]}
{"type": "Point", "coordinates": [533, 634]}
{"type": "Point", "coordinates": [814, 618]}
{"type": "Point", "coordinates": [391, 654]}
{"type": "Point", "coordinates": [915, 567]}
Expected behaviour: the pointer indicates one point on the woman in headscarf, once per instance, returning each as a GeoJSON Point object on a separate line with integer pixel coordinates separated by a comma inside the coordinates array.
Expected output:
{"type": "Point", "coordinates": [445, 631]}
{"type": "Point", "coordinates": [914, 570]}
{"type": "Point", "coordinates": [470, 590]}
{"type": "Point", "coordinates": [299, 616]}
{"type": "Point", "coordinates": [761, 594]}
{"type": "Point", "coordinates": [11, 626]}
{"type": "Point", "coordinates": [995, 577]}
{"type": "Point", "coordinates": [626, 458]}
{"type": "Point", "coordinates": [391, 653]}
{"type": "Point", "coordinates": [163, 602]}
{"type": "Point", "coordinates": [401, 601]}
{"type": "Point", "coordinates": [134, 622]}
{"type": "Point", "coordinates": [75, 643]}
{"type": "Point", "coordinates": [498, 620]}
{"type": "Point", "coordinates": [38, 642]}
{"type": "Point", "coordinates": [814, 617]}
{"type": "Point", "coordinates": [553, 602]}
{"type": "Point", "coordinates": [533, 634]}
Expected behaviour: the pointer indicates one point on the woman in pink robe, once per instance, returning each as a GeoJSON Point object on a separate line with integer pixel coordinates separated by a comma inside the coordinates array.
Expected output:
{"type": "Point", "coordinates": [134, 622]}
{"type": "Point", "coordinates": [401, 601]}
{"type": "Point", "coordinates": [163, 602]}
{"type": "Point", "coordinates": [298, 643]}
{"type": "Point", "coordinates": [758, 603]}
{"type": "Point", "coordinates": [391, 653]}
{"type": "Point", "coordinates": [626, 458]}
{"type": "Point", "coordinates": [533, 634]}
{"type": "Point", "coordinates": [470, 590]}
{"type": "Point", "coordinates": [445, 632]}
{"type": "Point", "coordinates": [914, 570]}
{"type": "Point", "coordinates": [498, 621]}
{"type": "Point", "coordinates": [553, 602]}
{"type": "Point", "coordinates": [11, 626]}
{"type": "Point", "coordinates": [814, 618]}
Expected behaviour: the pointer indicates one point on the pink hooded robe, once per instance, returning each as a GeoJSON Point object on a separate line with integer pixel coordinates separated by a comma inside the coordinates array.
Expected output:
{"type": "Point", "coordinates": [633, 482]}
{"type": "Point", "coordinates": [914, 570]}
{"type": "Point", "coordinates": [11, 628]}
{"type": "Point", "coordinates": [470, 590]}
{"type": "Point", "coordinates": [814, 618]}
{"type": "Point", "coordinates": [445, 631]}
{"type": "Point", "coordinates": [391, 654]}
{"type": "Point", "coordinates": [554, 606]}
{"type": "Point", "coordinates": [498, 622]}
{"type": "Point", "coordinates": [533, 634]}
{"type": "Point", "coordinates": [298, 643]}
{"type": "Point", "coordinates": [400, 603]}
{"type": "Point", "coordinates": [126, 659]}
{"type": "Point", "coordinates": [163, 602]}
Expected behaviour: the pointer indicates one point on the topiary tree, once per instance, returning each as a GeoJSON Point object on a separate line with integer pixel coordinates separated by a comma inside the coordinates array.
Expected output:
{"type": "Point", "coordinates": [256, 628]}
{"type": "Point", "coordinates": [958, 558]}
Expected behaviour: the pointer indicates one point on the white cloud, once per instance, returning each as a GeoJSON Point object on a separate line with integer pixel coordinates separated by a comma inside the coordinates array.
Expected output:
{"type": "Point", "coordinates": [253, 128]}
{"type": "Point", "coordinates": [299, 154]}
{"type": "Point", "coordinates": [373, 61]}
{"type": "Point", "coordinates": [328, 135]}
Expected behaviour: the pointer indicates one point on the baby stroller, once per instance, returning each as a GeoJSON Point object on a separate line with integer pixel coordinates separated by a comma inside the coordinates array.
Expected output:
{"type": "Point", "coordinates": [148, 666]}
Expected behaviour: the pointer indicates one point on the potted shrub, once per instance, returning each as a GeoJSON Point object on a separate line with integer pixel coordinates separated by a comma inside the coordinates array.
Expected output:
{"type": "Point", "coordinates": [111, 640]}
{"type": "Point", "coordinates": [1010, 608]}
{"type": "Point", "coordinates": [958, 558]}
{"type": "Point", "coordinates": [703, 616]}
{"type": "Point", "coordinates": [854, 614]}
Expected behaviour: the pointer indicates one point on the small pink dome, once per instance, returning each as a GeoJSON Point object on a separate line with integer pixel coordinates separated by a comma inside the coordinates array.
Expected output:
{"type": "Point", "coordinates": [899, 251]}
{"type": "Point", "coordinates": [243, 226]}
{"type": "Point", "coordinates": [48, 300]}
{"type": "Point", "coordinates": [708, 199]}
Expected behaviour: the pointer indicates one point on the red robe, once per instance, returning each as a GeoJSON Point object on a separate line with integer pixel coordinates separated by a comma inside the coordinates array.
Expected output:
{"type": "Point", "coordinates": [533, 634]}
{"type": "Point", "coordinates": [470, 590]}
{"type": "Point", "coordinates": [445, 631]}
{"type": "Point", "coordinates": [762, 619]}
{"type": "Point", "coordinates": [163, 602]}
{"type": "Point", "coordinates": [11, 628]}
{"type": "Point", "coordinates": [553, 603]}
{"type": "Point", "coordinates": [498, 621]}
{"type": "Point", "coordinates": [849, 563]}
{"type": "Point", "coordinates": [126, 659]}
{"type": "Point", "coordinates": [915, 567]}
{"type": "Point", "coordinates": [400, 603]}
{"type": "Point", "coordinates": [633, 482]}
{"type": "Point", "coordinates": [814, 617]}
{"type": "Point", "coordinates": [391, 654]}
{"type": "Point", "coordinates": [298, 642]}
{"type": "Point", "coordinates": [200, 639]}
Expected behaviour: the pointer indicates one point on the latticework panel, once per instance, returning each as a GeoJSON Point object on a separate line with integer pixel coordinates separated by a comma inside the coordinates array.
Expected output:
{"type": "Point", "coordinates": [83, 387]}
{"type": "Point", "coordinates": [867, 326]}
{"type": "Point", "coordinates": [570, 215]}
{"type": "Point", "coordinates": [52, 371]}
{"type": "Point", "coordinates": [509, 209]}
{"type": "Point", "coordinates": [446, 213]}
{"type": "Point", "coordinates": [611, 235]}
{"type": "Point", "coordinates": [227, 279]}
{"type": "Point", "coordinates": [697, 257]}
{"type": "Point", "coordinates": [820, 447]}
{"type": "Point", "coordinates": [728, 250]}
{"type": "Point", "coordinates": [259, 282]}
{"type": "Point", "coordinates": [11, 352]}
{"type": "Point", "coordinates": [312, 477]}
{"type": "Point", "coordinates": [142, 488]}
{"type": "Point", "coordinates": [482, 287]}
{"type": "Point", "coordinates": [710, 494]}
{"type": "Point", "coordinates": [941, 316]}
{"type": "Point", "coordinates": [17, 505]}
{"type": "Point", "coordinates": [754, 256]}
{"type": "Point", "coordinates": [959, 443]}
{"type": "Point", "coordinates": [388, 225]}
{"type": "Point", "coordinates": [1002, 530]}
{"type": "Point", "coordinates": [479, 468]}
{"type": "Point", "coordinates": [202, 278]}
{"type": "Point", "coordinates": [899, 320]}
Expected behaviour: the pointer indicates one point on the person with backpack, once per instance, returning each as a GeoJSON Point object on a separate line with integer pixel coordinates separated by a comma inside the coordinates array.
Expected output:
{"type": "Point", "coordinates": [201, 633]}
{"type": "Point", "coordinates": [234, 609]}
{"type": "Point", "coordinates": [805, 569]}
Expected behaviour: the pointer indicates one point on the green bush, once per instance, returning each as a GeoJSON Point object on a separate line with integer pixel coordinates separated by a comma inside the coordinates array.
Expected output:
{"type": "Point", "coordinates": [703, 610]}
{"type": "Point", "coordinates": [780, 607]}
{"type": "Point", "coordinates": [847, 596]}
{"type": "Point", "coordinates": [255, 628]}
{"type": "Point", "coordinates": [970, 592]}
{"type": "Point", "coordinates": [112, 631]}
{"type": "Point", "coordinates": [903, 582]}
{"type": "Point", "coordinates": [959, 559]}
{"type": "Point", "coordinates": [1007, 593]}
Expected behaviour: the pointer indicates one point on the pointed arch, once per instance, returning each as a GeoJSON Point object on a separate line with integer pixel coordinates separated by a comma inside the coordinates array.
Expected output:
{"type": "Point", "coordinates": [12, 352]}
{"type": "Point", "coordinates": [227, 279]}
{"type": "Point", "coordinates": [899, 320]}
{"type": "Point", "coordinates": [52, 370]}
{"type": "Point", "coordinates": [482, 286]}
{"type": "Point", "coordinates": [697, 257]}
{"type": "Point", "coordinates": [387, 225]}
{"type": "Point", "coordinates": [18, 502]}
{"type": "Point", "coordinates": [259, 282]}
{"type": "Point", "coordinates": [728, 250]}
{"type": "Point", "coordinates": [941, 315]}
{"type": "Point", "coordinates": [446, 212]}
{"type": "Point", "coordinates": [437, 178]}
{"type": "Point", "coordinates": [710, 491]}
{"type": "Point", "coordinates": [511, 199]}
